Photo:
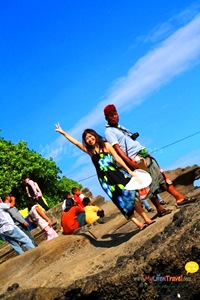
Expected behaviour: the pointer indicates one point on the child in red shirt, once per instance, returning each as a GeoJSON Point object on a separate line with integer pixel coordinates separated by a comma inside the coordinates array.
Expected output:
{"type": "Point", "coordinates": [72, 217]}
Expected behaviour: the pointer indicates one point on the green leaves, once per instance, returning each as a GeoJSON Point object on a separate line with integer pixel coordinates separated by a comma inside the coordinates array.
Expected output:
{"type": "Point", "coordinates": [17, 160]}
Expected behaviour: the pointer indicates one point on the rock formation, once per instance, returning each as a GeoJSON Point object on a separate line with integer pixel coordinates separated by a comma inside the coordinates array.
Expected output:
{"type": "Point", "coordinates": [113, 260]}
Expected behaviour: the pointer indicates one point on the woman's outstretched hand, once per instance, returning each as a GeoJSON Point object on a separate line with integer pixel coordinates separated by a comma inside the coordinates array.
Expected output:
{"type": "Point", "coordinates": [59, 129]}
{"type": "Point", "coordinates": [70, 138]}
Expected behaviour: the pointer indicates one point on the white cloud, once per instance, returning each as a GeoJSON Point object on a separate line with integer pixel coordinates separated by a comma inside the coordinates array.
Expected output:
{"type": "Point", "coordinates": [177, 53]}
{"type": "Point", "coordinates": [163, 30]}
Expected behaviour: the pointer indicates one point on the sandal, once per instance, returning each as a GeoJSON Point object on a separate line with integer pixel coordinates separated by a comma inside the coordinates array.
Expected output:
{"type": "Point", "coordinates": [144, 227]}
{"type": "Point", "coordinates": [164, 212]}
{"type": "Point", "coordinates": [186, 201]}
{"type": "Point", "coordinates": [151, 223]}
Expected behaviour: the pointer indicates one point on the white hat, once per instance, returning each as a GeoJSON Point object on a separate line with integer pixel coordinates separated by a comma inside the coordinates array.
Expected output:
{"type": "Point", "coordinates": [142, 179]}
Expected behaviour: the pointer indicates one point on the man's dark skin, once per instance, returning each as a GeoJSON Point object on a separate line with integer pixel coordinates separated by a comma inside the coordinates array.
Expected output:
{"type": "Point", "coordinates": [113, 119]}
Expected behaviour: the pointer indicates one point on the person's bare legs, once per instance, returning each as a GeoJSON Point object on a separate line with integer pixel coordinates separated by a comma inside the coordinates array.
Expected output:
{"type": "Point", "coordinates": [178, 196]}
{"type": "Point", "coordinates": [160, 210]}
{"type": "Point", "coordinates": [156, 203]}
{"type": "Point", "coordinates": [180, 199]}
{"type": "Point", "coordinates": [136, 222]}
{"type": "Point", "coordinates": [141, 212]}
{"type": "Point", "coordinates": [170, 188]}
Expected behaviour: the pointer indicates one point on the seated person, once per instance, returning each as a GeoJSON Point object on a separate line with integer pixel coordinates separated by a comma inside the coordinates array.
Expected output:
{"type": "Point", "coordinates": [92, 212]}
{"type": "Point", "coordinates": [65, 196]}
{"type": "Point", "coordinates": [77, 196]}
{"type": "Point", "coordinates": [72, 217]}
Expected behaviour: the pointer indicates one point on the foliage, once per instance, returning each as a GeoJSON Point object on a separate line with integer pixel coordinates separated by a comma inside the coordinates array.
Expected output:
{"type": "Point", "coordinates": [65, 185]}
{"type": "Point", "coordinates": [17, 160]}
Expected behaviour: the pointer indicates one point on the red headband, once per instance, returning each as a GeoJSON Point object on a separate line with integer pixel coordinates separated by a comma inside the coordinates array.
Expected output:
{"type": "Point", "coordinates": [109, 108]}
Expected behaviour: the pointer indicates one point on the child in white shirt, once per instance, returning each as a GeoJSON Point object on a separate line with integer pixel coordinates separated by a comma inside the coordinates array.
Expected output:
{"type": "Point", "coordinates": [37, 216]}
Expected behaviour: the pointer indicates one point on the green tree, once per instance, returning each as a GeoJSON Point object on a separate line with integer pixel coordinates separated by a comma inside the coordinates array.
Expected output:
{"type": "Point", "coordinates": [65, 185]}
{"type": "Point", "coordinates": [17, 160]}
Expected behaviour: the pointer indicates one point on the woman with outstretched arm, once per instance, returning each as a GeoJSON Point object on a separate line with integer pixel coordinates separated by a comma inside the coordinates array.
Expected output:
{"type": "Point", "coordinates": [111, 178]}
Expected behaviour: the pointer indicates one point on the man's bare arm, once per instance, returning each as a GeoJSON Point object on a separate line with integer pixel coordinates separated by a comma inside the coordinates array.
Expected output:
{"type": "Point", "coordinates": [125, 158]}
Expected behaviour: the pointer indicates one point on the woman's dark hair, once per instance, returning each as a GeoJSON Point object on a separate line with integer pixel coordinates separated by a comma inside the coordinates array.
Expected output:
{"type": "Point", "coordinates": [99, 139]}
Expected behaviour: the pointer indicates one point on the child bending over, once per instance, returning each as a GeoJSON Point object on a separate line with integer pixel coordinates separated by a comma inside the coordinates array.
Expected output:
{"type": "Point", "coordinates": [36, 215]}
{"type": "Point", "coordinates": [92, 212]}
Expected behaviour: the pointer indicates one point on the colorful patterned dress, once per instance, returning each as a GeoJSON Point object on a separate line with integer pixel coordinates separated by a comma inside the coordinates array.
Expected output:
{"type": "Point", "coordinates": [113, 180]}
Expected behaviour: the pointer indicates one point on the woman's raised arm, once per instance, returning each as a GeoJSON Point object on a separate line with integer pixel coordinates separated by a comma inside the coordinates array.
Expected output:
{"type": "Point", "coordinates": [70, 138]}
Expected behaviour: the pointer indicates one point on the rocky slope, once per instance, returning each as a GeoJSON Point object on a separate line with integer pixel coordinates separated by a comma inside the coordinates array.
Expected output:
{"type": "Point", "coordinates": [113, 260]}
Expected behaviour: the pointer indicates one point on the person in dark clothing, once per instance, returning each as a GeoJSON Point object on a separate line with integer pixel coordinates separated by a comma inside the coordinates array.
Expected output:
{"type": "Point", "coordinates": [33, 191]}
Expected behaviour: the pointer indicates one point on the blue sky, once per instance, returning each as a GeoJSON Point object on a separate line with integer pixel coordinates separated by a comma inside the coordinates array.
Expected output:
{"type": "Point", "coordinates": [63, 61]}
